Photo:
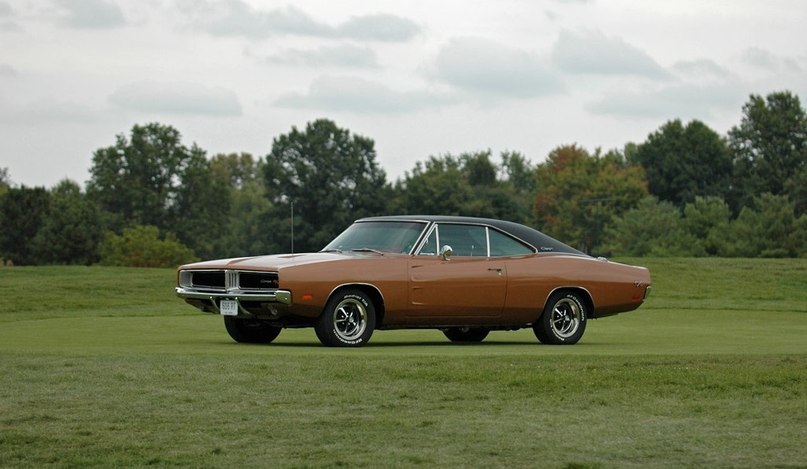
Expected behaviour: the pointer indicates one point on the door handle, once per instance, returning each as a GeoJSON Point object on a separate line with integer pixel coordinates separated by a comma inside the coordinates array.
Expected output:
{"type": "Point", "coordinates": [499, 271]}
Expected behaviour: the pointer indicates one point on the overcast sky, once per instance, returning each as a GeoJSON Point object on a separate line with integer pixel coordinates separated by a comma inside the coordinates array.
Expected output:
{"type": "Point", "coordinates": [420, 78]}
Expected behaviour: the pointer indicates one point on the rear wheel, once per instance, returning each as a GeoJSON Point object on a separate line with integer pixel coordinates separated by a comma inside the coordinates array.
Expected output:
{"type": "Point", "coordinates": [250, 331]}
{"type": "Point", "coordinates": [348, 319]}
{"type": "Point", "coordinates": [563, 320]}
{"type": "Point", "coordinates": [466, 334]}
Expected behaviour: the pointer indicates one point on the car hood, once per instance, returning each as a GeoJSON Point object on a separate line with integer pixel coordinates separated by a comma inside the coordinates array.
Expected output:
{"type": "Point", "coordinates": [278, 261]}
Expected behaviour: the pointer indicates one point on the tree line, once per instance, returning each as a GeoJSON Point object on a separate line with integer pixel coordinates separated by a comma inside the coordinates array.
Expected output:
{"type": "Point", "coordinates": [686, 190]}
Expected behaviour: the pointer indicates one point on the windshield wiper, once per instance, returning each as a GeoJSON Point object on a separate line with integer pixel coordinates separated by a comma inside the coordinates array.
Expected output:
{"type": "Point", "coordinates": [332, 250]}
{"type": "Point", "coordinates": [367, 250]}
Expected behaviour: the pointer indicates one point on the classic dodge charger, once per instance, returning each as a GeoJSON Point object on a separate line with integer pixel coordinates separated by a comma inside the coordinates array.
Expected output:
{"type": "Point", "coordinates": [464, 276]}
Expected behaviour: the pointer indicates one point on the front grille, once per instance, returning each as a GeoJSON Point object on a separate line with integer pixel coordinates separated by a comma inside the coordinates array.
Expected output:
{"type": "Point", "coordinates": [229, 280]}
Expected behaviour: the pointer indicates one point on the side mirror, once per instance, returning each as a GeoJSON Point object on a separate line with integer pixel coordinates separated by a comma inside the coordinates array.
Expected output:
{"type": "Point", "coordinates": [446, 252]}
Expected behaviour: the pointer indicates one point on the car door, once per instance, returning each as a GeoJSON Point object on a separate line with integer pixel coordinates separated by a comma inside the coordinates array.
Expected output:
{"type": "Point", "coordinates": [467, 285]}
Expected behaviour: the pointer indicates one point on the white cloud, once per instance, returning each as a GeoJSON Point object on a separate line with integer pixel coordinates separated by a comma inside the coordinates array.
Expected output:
{"type": "Point", "coordinates": [7, 70]}
{"type": "Point", "coordinates": [282, 63]}
{"type": "Point", "coordinates": [353, 94]}
{"type": "Point", "coordinates": [176, 98]}
{"type": "Point", "coordinates": [47, 110]}
{"type": "Point", "coordinates": [345, 55]}
{"type": "Point", "coordinates": [591, 52]}
{"type": "Point", "coordinates": [701, 69]}
{"type": "Point", "coordinates": [91, 14]}
{"type": "Point", "coordinates": [7, 23]}
{"type": "Point", "coordinates": [380, 27]}
{"type": "Point", "coordinates": [678, 101]}
{"type": "Point", "coordinates": [768, 61]}
{"type": "Point", "coordinates": [236, 18]}
{"type": "Point", "coordinates": [489, 68]}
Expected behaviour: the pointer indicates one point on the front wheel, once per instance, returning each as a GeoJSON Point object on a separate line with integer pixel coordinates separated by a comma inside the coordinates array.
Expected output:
{"type": "Point", "coordinates": [250, 331]}
{"type": "Point", "coordinates": [563, 320]}
{"type": "Point", "coordinates": [348, 320]}
{"type": "Point", "coordinates": [466, 334]}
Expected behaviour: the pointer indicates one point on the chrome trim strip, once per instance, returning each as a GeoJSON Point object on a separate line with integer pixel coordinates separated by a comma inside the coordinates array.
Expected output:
{"type": "Point", "coordinates": [419, 246]}
{"type": "Point", "coordinates": [570, 287]}
{"type": "Point", "coordinates": [278, 296]}
{"type": "Point", "coordinates": [436, 226]}
{"type": "Point", "coordinates": [351, 284]}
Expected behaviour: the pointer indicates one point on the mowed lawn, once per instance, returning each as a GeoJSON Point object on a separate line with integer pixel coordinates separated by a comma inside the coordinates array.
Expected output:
{"type": "Point", "coordinates": [106, 367]}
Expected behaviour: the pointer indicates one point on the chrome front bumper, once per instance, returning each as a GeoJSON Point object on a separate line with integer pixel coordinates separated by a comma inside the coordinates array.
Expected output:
{"type": "Point", "coordinates": [278, 296]}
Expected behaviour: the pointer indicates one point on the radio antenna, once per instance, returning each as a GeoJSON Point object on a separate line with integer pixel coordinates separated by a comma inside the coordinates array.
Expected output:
{"type": "Point", "coordinates": [292, 227]}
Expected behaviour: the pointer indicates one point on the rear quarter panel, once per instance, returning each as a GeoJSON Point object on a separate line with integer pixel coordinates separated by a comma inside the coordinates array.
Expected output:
{"type": "Point", "coordinates": [613, 287]}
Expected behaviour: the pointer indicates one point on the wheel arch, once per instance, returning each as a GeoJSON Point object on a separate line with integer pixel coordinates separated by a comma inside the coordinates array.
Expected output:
{"type": "Point", "coordinates": [585, 295]}
{"type": "Point", "coordinates": [370, 290]}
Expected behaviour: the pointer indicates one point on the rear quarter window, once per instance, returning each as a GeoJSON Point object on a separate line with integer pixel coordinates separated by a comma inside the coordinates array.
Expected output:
{"type": "Point", "coordinates": [504, 245]}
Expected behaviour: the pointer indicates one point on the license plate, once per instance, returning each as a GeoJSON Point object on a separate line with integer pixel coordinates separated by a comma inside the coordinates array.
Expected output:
{"type": "Point", "coordinates": [228, 308]}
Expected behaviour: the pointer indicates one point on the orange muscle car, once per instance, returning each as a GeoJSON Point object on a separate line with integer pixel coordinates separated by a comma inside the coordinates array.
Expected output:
{"type": "Point", "coordinates": [465, 276]}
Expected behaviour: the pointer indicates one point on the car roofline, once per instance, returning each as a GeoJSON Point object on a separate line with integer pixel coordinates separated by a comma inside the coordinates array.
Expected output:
{"type": "Point", "coordinates": [538, 240]}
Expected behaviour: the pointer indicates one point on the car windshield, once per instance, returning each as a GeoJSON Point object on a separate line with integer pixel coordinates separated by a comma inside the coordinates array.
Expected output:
{"type": "Point", "coordinates": [388, 236]}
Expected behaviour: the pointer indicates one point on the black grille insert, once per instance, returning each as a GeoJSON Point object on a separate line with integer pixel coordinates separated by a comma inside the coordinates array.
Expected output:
{"type": "Point", "coordinates": [258, 280]}
{"type": "Point", "coordinates": [208, 279]}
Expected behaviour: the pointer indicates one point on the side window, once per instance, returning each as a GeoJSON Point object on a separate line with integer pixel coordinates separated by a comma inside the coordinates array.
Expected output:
{"type": "Point", "coordinates": [465, 240]}
{"type": "Point", "coordinates": [503, 245]}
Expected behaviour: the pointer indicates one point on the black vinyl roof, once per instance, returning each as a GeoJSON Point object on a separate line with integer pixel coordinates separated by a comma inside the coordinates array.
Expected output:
{"type": "Point", "coordinates": [540, 241]}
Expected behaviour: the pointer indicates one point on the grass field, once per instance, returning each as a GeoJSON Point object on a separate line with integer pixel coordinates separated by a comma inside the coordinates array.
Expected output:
{"type": "Point", "coordinates": [106, 367]}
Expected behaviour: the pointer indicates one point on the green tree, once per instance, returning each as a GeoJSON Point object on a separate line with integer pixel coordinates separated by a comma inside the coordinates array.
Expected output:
{"type": "Point", "coordinates": [71, 228]}
{"type": "Point", "coordinates": [478, 169]}
{"type": "Point", "coordinates": [652, 228]}
{"type": "Point", "coordinates": [768, 228]}
{"type": "Point", "coordinates": [769, 146]}
{"type": "Point", "coordinates": [796, 189]}
{"type": "Point", "coordinates": [495, 196]}
{"type": "Point", "coordinates": [202, 207]}
{"type": "Point", "coordinates": [467, 184]}
{"type": "Point", "coordinates": [237, 169]}
{"type": "Point", "coordinates": [579, 194]}
{"type": "Point", "coordinates": [518, 179]}
{"type": "Point", "coordinates": [151, 178]}
{"type": "Point", "coordinates": [684, 162]}
{"type": "Point", "coordinates": [518, 172]}
{"type": "Point", "coordinates": [437, 186]}
{"type": "Point", "coordinates": [22, 212]}
{"type": "Point", "coordinates": [707, 220]}
{"type": "Point", "coordinates": [142, 246]}
{"type": "Point", "coordinates": [137, 181]}
{"type": "Point", "coordinates": [249, 207]}
{"type": "Point", "coordinates": [250, 211]}
{"type": "Point", "coordinates": [5, 180]}
{"type": "Point", "coordinates": [330, 176]}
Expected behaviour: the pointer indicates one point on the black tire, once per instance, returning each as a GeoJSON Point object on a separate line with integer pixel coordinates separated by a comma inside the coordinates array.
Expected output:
{"type": "Point", "coordinates": [250, 331]}
{"type": "Point", "coordinates": [466, 334]}
{"type": "Point", "coordinates": [563, 321]}
{"type": "Point", "coordinates": [348, 319]}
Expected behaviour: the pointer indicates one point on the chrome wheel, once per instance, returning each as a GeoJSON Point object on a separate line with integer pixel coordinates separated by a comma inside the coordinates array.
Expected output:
{"type": "Point", "coordinates": [350, 319]}
{"type": "Point", "coordinates": [566, 318]}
